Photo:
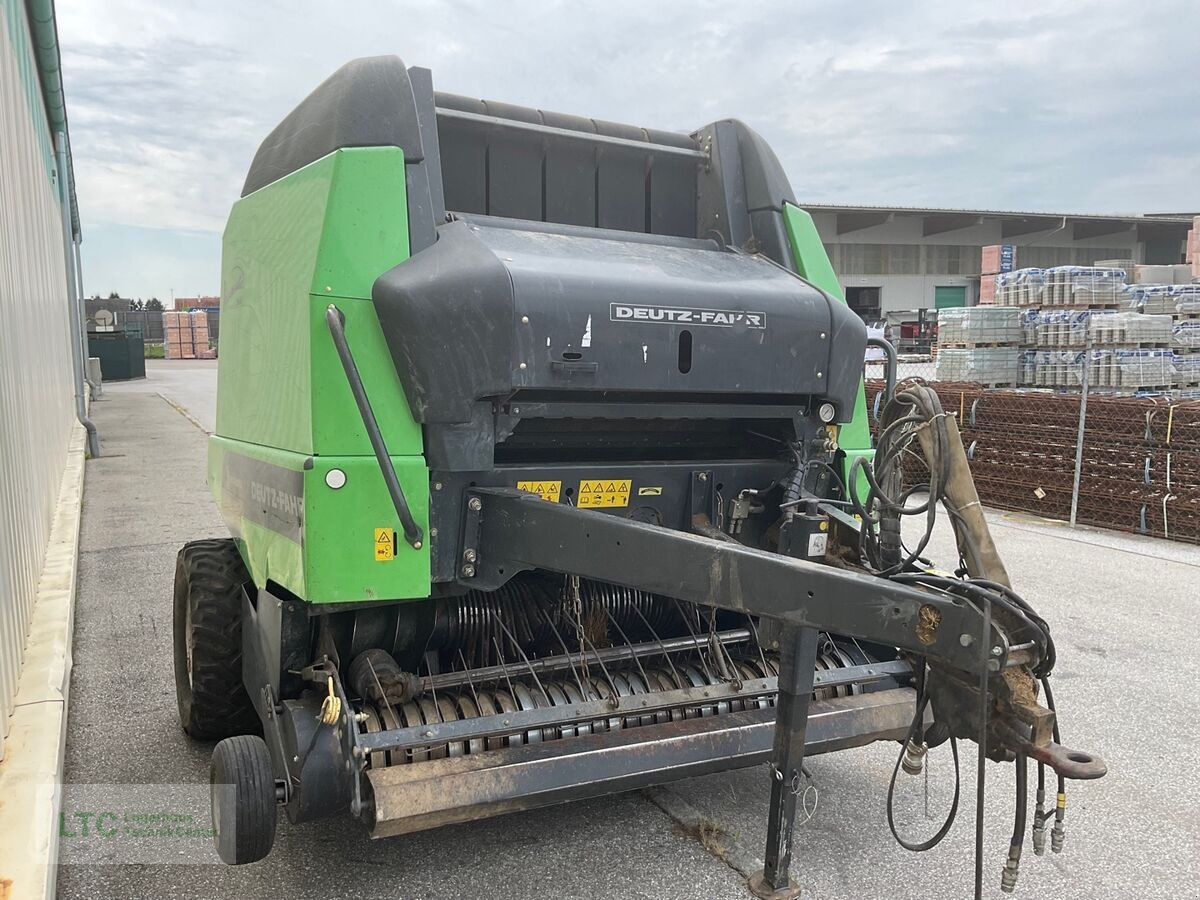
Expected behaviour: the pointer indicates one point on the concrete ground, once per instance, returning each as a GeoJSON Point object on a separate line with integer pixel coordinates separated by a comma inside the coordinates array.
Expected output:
{"type": "Point", "coordinates": [1123, 610]}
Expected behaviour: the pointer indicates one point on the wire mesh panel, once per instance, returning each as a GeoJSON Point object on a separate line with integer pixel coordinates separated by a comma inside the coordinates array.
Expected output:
{"type": "Point", "coordinates": [1140, 467]}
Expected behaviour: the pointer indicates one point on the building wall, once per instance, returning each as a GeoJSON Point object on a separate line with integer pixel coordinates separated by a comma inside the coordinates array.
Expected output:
{"type": "Point", "coordinates": [36, 372]}
{"type": "Point", "coordinates": [908, 266]}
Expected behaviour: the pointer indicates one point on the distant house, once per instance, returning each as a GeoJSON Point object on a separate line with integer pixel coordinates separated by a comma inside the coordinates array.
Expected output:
{"type": "Point", "coordinates": [186, 303]}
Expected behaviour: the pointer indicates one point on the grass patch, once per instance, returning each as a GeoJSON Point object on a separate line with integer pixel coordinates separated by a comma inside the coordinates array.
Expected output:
{"type": "Point", "coordinates": [155, 351]}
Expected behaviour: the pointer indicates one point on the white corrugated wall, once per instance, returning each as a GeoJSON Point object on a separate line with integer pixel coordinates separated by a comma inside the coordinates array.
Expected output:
{"type": "Point", "coordinates": [36, 393]}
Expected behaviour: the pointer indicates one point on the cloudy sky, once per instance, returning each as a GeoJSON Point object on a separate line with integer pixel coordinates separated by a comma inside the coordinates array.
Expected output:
{"type": "Point", "coordinates": [1058, 105]}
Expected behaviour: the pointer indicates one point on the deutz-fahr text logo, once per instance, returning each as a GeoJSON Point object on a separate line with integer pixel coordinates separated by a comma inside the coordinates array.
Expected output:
{"type": "Point", "coordinates": [683, 315]}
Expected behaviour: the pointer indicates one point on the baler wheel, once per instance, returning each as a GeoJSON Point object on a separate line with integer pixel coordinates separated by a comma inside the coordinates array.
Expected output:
{"type": "Point", "coordinates": [243, 799]}
{"type": "Point", "coordinates": [213, 702]}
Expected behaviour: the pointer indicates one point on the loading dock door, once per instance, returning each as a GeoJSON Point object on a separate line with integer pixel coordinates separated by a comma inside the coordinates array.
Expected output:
{"type": "Point", "coordinates": [947, 297]}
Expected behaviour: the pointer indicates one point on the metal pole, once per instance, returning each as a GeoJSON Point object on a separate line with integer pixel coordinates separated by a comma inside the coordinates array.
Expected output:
{"type": "Point", "coordinates": [1083, 387]}
{"type": "Point", "coordinates": [97, 389]}
{"type": "Point", "coordinates": [797, 664]}
{"type": "Point", "coordinates": [73, 308]}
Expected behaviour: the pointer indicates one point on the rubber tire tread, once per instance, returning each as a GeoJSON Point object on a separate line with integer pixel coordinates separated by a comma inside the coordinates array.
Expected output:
{"type": "Point", "coordinates": [245, 763]}
{"type": "Point", "coordinates": [209, 574]}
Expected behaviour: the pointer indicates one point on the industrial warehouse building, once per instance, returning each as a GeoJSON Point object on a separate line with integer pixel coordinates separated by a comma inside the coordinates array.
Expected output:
{"type": "Point", "coordinates": [894, 261]}
{"type": "Point", "coordinates": [39, 233]}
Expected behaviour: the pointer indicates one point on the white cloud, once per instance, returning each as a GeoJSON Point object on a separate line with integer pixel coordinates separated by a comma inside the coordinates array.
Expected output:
{"type": "Point", "coordinates": [1076, 105]}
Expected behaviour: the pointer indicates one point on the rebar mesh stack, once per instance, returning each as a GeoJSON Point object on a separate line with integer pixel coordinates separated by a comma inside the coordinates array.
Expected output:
{"type": "Point", "coordinates": [1141, 456]}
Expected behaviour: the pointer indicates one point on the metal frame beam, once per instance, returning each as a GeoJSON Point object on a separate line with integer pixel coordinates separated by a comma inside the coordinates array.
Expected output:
{"type": "Point", "coordinates": [518, 531]}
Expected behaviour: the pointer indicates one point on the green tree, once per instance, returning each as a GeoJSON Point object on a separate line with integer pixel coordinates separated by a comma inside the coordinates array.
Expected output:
{"type": "Point", "coordinates": [154, 304]}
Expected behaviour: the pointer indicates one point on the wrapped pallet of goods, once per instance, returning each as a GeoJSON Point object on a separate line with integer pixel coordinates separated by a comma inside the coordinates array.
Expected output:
{"type": "Point", "coordinates": [980, 344]}
{"type": "Point", "coordinates": [1086, 286]}
{"type": "Point", "coordinates": [1131, 330]}
{"type": "Point", "coordinates": [1020, 287]}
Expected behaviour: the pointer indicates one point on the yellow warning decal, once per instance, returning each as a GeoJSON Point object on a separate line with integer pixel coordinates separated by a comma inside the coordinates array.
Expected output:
{"type": "Point", "coordinates": [649, 492]}
{"type": "Point", "coordinates": [547, 490]}
{"type": "Point", "coordinates": [385, 544]}
{"type": "Point", "coordinates": [606, 492]}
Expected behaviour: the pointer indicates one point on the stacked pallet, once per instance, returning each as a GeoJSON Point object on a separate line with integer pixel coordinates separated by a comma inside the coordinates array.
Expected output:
{"type": "Point", "coordinates": [1020, 287]}
{"type": "Point", "coordinates": [980, 344]}
{"type": "Point", "coordinates": [185, 335]}
{"type": "Point", "coordinates": [177, 336]}
{"type": "Point", "coordinates": [1180, 304]}
{"type": "Point", "coordinates": [995, 259]}
{"type": "Point", "coordinates": [1091, 287]}
{"type": "Point", "coordinates": [1193, 248]}
{"type": "Point", "coordinates": [1141, 456]}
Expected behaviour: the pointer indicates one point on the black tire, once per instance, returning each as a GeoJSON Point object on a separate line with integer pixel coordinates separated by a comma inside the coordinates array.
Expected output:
{"type": "Point", "coordinates": [213, 702]}
{"type": "Point", "coordinates": [243, 799]}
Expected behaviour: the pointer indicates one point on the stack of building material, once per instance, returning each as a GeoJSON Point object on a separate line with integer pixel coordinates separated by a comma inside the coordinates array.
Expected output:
{"type": "Point", "coordinates": [1181, 304]}
{"type": "Point", "coordinates": [1178, 300]}
{"type": "Point", "coordinates": [200, 337]}
{"type": "Point", "coordinates": [1084, 286]}
{"type": "Point", "coordinates": [1193, 248]}
{"type": "Point", "coordinates": [178, 342]}
{"type": "Point", "coordinates": [185, 335]}
{"type": "Point", "coordinates": [1128, 330]}
{"type": "Point", "coordinates": [1176, 274]}
{"type": "Point", "coordinates": [1133, 371]}
{"type": "Point", "coordinates": [996, 259]}
{"type": "Point", "coordinates": [1020, 287]}
{"type": "Point", "coordinates": [980, 344]}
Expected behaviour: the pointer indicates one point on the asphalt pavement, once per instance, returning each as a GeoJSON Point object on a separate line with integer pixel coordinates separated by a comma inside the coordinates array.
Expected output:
{"type": "Point", "coordinates": [1123, 610]}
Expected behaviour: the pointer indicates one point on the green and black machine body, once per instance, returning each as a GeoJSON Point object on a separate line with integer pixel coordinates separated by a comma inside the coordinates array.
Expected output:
{"type": "Point", "coordinates": [533, 438]}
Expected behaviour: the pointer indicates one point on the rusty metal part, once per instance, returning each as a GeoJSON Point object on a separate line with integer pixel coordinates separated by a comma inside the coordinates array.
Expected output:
{"type": "Point", "coordinates": [474, 786]}
{"type": "Point", "coordinates": [1070, 763]}
{"type": "Point", "coordinates": [494, 716]}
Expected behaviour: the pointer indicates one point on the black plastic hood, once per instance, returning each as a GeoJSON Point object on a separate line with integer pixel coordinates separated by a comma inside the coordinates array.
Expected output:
{"type": "Point", "coordinates": [490, 311]}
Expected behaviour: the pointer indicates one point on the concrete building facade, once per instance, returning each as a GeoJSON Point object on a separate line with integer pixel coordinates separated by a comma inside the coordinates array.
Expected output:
{"type": "Point", "coordinates": [39, 228]}
{"type": "Point", "coordinates": [893, 260]}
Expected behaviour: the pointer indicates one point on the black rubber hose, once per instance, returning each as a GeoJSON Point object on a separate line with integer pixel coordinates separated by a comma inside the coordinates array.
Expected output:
{"type": "Point", "coordinates": [941, 833]}
{"type": "Point", "coordinates": [1022, 813]}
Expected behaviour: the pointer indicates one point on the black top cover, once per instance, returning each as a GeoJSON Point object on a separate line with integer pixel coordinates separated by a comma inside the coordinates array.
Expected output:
{"type": "Point", "coordinates": [491, 310]}
{"type": "Point", "coordinates": [366, 103]}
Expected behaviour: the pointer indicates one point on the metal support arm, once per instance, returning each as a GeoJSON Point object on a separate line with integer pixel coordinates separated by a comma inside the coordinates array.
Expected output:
{"type": "Point", "coordinates": [337, 330]}
{"type": "Point", "coordinates": [520, 531]}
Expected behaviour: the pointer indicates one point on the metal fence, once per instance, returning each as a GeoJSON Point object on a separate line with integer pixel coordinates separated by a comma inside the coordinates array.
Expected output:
{"type": "Point", "coordinates": [36, 391]}
{"type": "Point", "coordinates": [1088, 453]}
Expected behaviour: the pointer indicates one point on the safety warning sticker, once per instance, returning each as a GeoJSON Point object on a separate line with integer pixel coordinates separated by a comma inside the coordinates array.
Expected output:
{"type": "Point", "coordinates": [603, 492]}
{"type": "Point", "coordinates": [385, 544]}
{"type": "Point", "coordinates": [547, 490]}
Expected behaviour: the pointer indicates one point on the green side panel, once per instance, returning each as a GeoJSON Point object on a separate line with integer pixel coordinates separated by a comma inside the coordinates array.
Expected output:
{"type": "Point", "coordinates": [313, 539]}
{"type": "Point", "coordinates": [245, 498]}
{"type": "Point", "coordinates": [854, 437]}
{"type": "Point", "coordinates": [285, 412]}
{"type": "Point", "coordinates": [321, 235]}
{"type": "Point", "coordinates": [949, 296]}
{"type": "Point", "coordinates": [340, 525]}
